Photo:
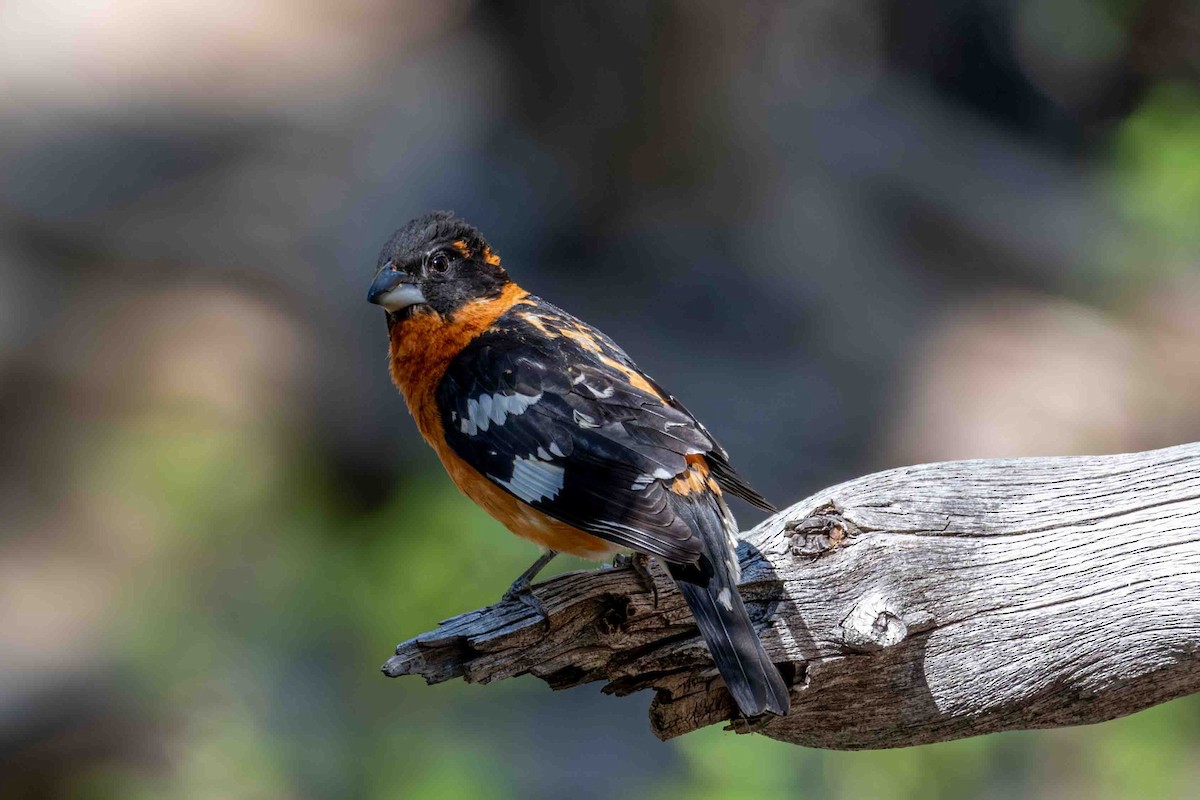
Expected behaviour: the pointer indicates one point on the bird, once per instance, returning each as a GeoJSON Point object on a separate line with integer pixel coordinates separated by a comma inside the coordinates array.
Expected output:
{"type": "Point", "coordinates": [548, 425]}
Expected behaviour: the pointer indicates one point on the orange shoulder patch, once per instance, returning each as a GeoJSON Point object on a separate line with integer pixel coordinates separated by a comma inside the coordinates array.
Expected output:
{"type": "Point", "coordinates": [581, 336]}
{"type": "Point", "coordinates": [635, 378]}
{"type": "Point", "coordinates": [696, 478]}
{"type": "Point", "coordinates": [537, 322]}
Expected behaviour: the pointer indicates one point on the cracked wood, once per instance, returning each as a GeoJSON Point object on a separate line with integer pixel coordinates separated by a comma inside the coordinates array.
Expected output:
{"type": "Point", "coordinates": [915, 605]}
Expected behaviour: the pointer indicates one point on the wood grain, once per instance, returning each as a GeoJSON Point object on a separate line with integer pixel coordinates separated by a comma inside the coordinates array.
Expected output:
{"type": "Point", "coordinates": [915, 605]}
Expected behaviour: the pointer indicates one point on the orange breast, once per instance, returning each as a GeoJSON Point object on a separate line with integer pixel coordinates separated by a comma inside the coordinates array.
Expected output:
{"type": "Point", "coordinates": [421, 349]}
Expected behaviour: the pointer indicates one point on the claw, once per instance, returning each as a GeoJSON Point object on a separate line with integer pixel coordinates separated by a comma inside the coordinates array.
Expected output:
{"type": "Point", "coordinates": [640, 564]}
{"type": "Point", "coordinates": [521, 592]}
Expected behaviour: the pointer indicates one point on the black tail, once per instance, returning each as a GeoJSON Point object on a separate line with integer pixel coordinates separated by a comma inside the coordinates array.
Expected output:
{"type": "Point", "coordinates": [751, 678]}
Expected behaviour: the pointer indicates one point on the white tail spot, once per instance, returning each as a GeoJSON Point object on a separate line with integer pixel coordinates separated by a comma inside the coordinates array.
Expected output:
{"type": "Point", "coordinates": [725, 598]}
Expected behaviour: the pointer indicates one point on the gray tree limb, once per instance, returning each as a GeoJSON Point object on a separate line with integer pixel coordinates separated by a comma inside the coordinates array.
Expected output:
{"type": "Point", "coordinates": [916, 605]}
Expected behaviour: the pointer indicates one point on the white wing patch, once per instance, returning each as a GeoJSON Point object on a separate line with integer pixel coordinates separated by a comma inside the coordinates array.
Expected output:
{"type": "Point", "coordinates": [600, 394]}
{"type": "Point", "coordinates": [494, 409]}
{"type": "Point", "coordinates": [533, 479]}
{"type": "Point", "coordinates": [642, 481]}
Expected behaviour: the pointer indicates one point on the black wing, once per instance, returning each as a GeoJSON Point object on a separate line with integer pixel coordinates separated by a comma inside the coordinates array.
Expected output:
{"type": "Point", "coordinates": [551, 410]}
{"type": "Point", "coordinates": [724, 473]}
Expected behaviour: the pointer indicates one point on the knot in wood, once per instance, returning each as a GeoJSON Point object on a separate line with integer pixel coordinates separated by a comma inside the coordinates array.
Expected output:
{"type": "Point", "coordinates": [824, 529]}
{"type": "Point", "coordinates": [873, 624]}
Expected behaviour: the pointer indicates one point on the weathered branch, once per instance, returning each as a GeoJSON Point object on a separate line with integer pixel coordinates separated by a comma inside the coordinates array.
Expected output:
{"type": "Point", "coordinates": [915, 605]}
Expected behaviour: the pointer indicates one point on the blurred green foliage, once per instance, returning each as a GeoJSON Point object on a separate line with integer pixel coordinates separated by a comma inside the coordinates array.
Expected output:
{"type": "Point", "coordinates": [1156, 160]}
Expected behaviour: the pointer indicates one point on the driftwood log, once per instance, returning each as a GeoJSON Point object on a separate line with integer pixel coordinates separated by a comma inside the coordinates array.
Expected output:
{"type": "Point", "coordinates": [916, 605]}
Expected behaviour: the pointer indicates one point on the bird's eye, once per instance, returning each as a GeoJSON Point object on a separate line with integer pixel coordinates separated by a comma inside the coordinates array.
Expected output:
{"type": "Point", "coordinates": [439, 262]}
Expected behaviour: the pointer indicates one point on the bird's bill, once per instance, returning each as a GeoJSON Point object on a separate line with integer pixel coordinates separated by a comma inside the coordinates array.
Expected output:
{"type": "Point", "coordinates": [391, 291]}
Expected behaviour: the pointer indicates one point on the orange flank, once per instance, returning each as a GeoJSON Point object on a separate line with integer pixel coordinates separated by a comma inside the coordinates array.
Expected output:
{"type": "Point", "coordinates": [519, 517]}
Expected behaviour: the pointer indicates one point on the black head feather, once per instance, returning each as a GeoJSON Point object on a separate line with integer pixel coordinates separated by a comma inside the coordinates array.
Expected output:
{"type": "Point", "coordinates": [448, 258]}
{"type": "Point", "coordinates": [414, 241]}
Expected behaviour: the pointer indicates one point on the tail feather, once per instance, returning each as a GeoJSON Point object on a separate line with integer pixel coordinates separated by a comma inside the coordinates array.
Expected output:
{"type": "Point", "coordinates": [751, 678]}
{"type": "Point", "coordinates": [709, 586]}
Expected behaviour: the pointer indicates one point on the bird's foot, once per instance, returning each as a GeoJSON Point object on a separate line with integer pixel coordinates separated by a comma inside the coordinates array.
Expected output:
{"type": "Point", "coordinates": [640, 564]}
{"type": "Point", "coordinates": [521, 592]}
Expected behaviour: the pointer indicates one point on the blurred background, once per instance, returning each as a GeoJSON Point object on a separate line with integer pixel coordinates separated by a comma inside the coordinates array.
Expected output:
{"type": "Point", "coordinates": [850, 235]}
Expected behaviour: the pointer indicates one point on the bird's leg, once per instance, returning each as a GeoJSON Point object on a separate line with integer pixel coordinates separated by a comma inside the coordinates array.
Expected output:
{"type": "Point", "coordinates": [640, 564]}
{"type": "Point", "coordinates": [521, 591]}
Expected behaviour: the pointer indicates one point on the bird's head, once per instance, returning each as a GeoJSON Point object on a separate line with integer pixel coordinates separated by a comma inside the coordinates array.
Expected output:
{"type": "Point", "coordinates": [437, 262]}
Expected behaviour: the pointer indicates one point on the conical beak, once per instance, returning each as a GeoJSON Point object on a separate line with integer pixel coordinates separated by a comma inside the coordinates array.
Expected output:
{"type": "Point", "coordinates": [393, 292]}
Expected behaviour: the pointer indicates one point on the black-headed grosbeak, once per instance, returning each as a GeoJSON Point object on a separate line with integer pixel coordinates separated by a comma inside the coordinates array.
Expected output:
{"type": "Point", "coordinates": [550, 427]}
